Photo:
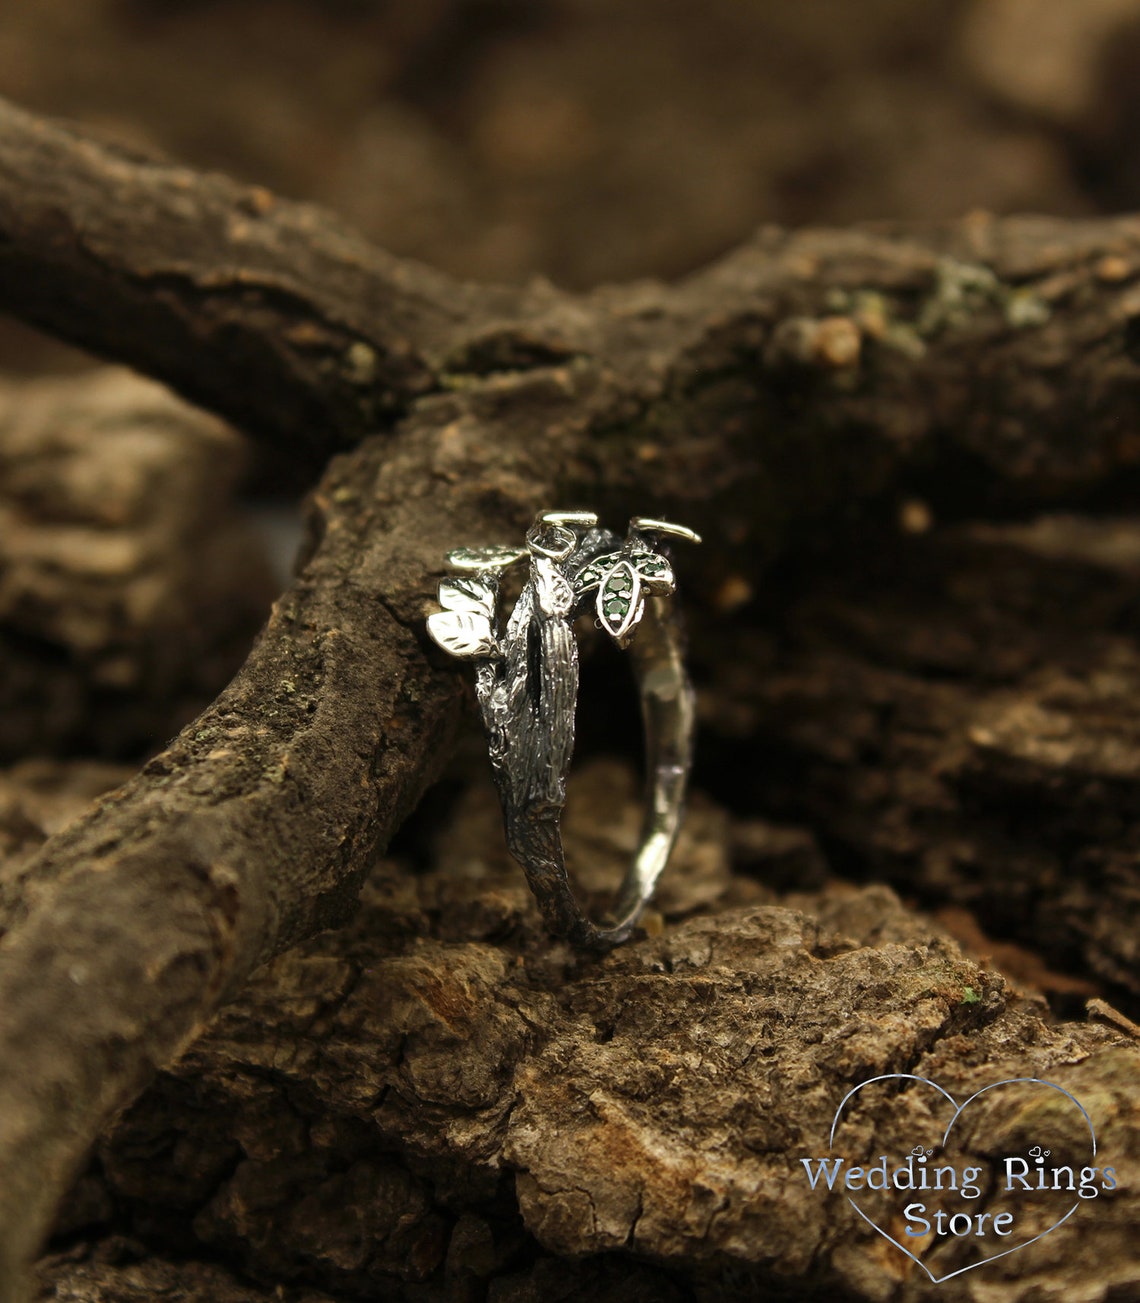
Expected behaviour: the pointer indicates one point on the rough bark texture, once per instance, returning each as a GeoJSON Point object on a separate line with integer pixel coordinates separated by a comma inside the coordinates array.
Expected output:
{"type": "Point", "coordinates": [800, 388]}
{"type": "Point", "coordinates": [420, 1104]}
{"type": "Point", "coordinates": [961, 721]}
{"type": "Point", "coordinates": [129, 584]}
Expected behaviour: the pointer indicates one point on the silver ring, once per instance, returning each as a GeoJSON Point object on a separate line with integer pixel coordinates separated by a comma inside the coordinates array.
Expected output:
{"type": "Point", "coordinates": [526, 681]}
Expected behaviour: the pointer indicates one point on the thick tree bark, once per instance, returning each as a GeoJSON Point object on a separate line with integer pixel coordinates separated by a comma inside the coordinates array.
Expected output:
{"type": "Point", "coordinates": [400, 1109]}
{"type": "Point", "coordinates": [804, 383]}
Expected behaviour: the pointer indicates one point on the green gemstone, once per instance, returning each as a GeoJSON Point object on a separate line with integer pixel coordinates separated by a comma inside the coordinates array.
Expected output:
{"type": "Point", "coordinates": [616, 607]}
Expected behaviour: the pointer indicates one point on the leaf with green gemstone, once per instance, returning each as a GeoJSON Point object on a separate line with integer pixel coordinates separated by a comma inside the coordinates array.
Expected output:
{"type": "Point", "coordinates": [592, 574]}
{"type": "Point", "coordinates": [656, 573]}
{"type": "Point", "coordinates": [620, 603]}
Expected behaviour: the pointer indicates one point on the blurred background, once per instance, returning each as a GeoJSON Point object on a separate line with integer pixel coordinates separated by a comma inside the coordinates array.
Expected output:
{"type": "Point", "coordinates": [581, 140]}
{"type": "Point", "coordinates": [590, 140]}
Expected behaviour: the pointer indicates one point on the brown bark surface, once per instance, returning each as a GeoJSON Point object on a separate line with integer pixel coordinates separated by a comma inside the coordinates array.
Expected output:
{"type": "Point", "coordinates": [404, 1103]}
{"type": "Point", "coordinates": [401, 1108]}
{"type": "Point", "coordinates": [129, 584]}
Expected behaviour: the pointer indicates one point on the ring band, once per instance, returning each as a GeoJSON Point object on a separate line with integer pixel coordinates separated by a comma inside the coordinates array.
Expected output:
{"type": "Point", "coordinates": [526, 681]}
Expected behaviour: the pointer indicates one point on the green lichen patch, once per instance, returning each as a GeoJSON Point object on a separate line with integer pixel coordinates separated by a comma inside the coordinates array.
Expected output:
{"type": "Point", "coordinates": [960, 292]}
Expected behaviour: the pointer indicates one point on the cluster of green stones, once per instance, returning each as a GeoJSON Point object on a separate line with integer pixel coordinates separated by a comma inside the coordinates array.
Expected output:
{"type": "Point", "coordinates": [593, 574]}
{"type": "Point", "coordinates": [649, 564]}
{"type": "Point", "coordinates": [617, 595]}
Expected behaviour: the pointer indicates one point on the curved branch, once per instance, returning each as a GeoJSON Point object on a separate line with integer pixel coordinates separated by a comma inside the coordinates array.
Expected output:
{"type": "Point", "coordinates": [1000, 337]}
{"type": "Point", "coordinates": [266, 311]}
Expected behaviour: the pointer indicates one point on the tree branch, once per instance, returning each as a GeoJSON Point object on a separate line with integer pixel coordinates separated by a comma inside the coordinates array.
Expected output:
{"type": "Point", "coordinates": [266, 311]}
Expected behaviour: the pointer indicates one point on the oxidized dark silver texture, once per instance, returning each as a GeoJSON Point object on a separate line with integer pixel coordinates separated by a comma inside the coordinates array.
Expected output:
{"type": "Point", "coordinates": [526, 680]}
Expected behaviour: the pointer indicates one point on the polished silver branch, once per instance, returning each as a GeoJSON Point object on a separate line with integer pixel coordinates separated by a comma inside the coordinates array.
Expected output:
{"type": "Point", "coordinates": [526, 680]}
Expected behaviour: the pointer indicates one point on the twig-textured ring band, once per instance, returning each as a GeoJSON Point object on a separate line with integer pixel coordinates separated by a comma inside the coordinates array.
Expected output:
{"type": "Point", "coordinates": [526, 680]}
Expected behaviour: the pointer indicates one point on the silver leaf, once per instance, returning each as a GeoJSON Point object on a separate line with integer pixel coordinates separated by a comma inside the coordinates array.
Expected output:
{"type": "Point", "coordinates": [462, 633]}
{"type": "Point", "coordinates": [484, 558]}
{"type": "Point", "coordinates": [467, 593]}
{"type": "Point", "coordinates": [551, 590]}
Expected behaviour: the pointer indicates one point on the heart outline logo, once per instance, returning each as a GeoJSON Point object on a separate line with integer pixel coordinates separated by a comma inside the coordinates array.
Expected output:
{"type": "Point", "coordinates": [958, 1110]}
